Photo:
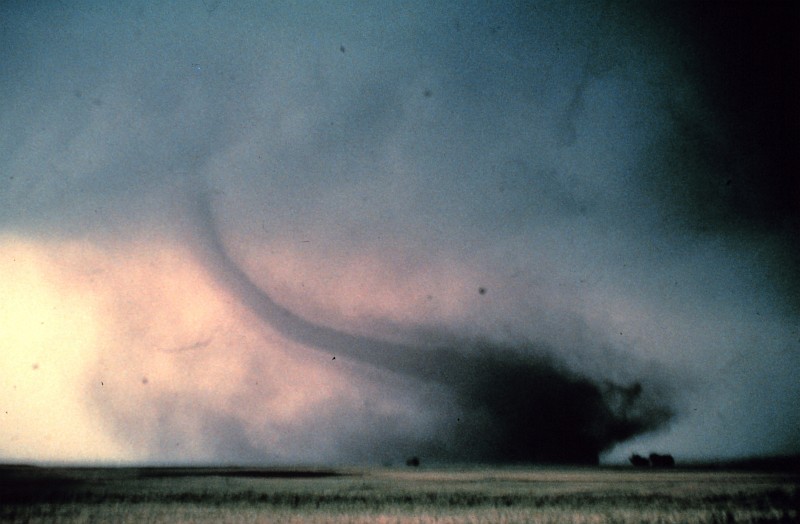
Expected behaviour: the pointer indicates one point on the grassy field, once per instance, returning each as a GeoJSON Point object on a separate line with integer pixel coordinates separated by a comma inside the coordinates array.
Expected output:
{"type": "Point", "coordinates": [625, 495]}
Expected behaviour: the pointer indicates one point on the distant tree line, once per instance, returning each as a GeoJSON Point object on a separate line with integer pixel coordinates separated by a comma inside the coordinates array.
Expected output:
{"type": "Point", "coordinates": [655, 460]}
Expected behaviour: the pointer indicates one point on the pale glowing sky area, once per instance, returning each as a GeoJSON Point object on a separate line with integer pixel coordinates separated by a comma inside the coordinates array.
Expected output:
{"type": "Point", "coordinates": [538, 232]}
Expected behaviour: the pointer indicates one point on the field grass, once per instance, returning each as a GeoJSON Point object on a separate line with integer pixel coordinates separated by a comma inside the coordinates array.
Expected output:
{"type": "Point", "coordinates": [623, 495]}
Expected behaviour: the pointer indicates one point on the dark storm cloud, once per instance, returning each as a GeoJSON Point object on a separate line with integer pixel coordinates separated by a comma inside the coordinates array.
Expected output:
{"type": "Point", "coordinates": [736, 168]}
{"type": "Point", "coordinates": [620, 187]}
{"type": "Point", "coordinates": [746, 59]}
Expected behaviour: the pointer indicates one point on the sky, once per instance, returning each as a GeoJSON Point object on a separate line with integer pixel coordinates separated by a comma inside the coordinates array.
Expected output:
{"type": "Point", "coordinates": [354, 232]}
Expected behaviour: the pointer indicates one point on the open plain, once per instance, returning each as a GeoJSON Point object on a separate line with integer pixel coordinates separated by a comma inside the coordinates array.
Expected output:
{"type": "Point", "coordinates": [213, 494]}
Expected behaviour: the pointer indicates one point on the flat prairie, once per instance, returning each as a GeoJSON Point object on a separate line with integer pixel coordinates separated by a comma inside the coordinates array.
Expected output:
{"type": "Point", "coordinates": [451, 494]}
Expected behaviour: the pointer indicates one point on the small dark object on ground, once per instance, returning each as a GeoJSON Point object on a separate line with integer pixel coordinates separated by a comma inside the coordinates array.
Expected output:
{"type": "Point", "coordinates": [661, 461]}
{"type": "Point", "coordinates": [654, 461]}
{"type": "Point", "coordinates": [413, 462]}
